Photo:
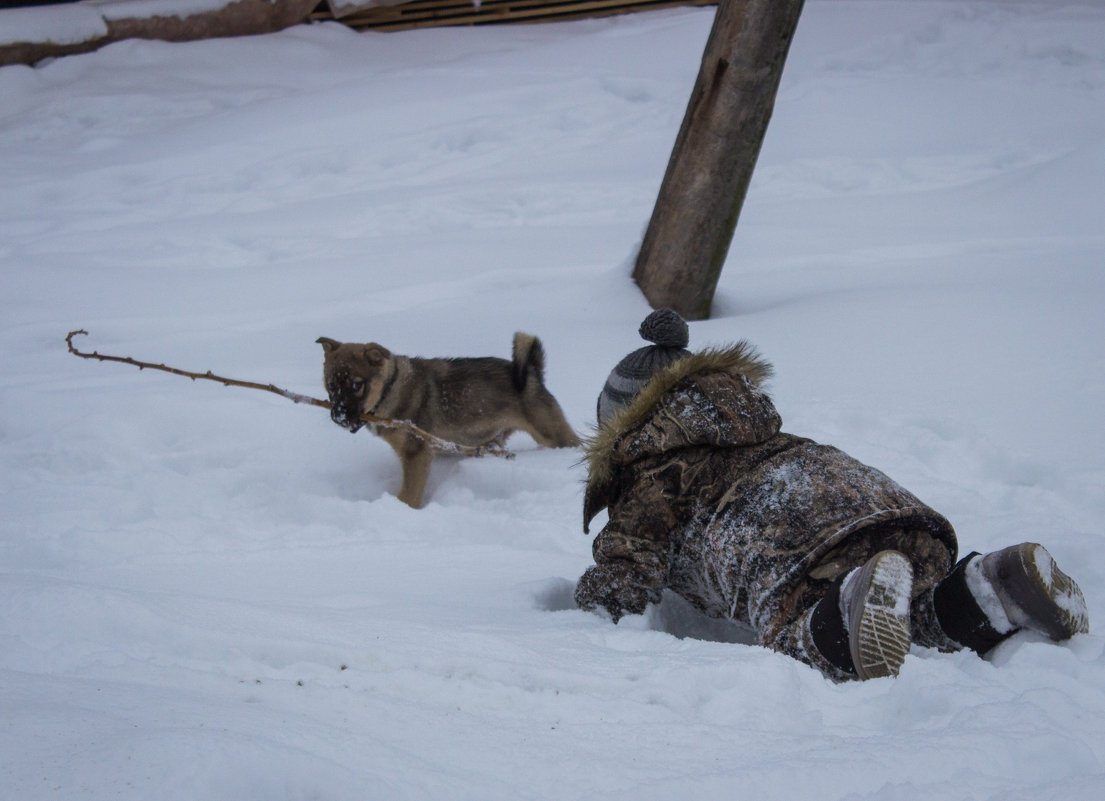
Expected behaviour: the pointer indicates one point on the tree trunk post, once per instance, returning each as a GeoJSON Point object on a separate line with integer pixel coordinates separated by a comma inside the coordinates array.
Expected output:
{"type": "Point", "coordinates": [711, 164]}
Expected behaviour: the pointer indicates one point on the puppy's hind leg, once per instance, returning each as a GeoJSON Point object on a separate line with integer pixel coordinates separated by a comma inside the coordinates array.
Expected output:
{"type": "Point", "coordinates": [546, 420]}
{"type": "Point", "coordinates": [544, 417]}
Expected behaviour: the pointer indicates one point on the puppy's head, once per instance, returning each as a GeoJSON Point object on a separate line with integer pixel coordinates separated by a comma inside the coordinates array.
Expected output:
{"type": "Point", "coordinates": [355, 376]}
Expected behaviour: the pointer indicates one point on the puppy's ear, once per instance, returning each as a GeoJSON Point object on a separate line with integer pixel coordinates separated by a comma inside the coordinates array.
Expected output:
{"type": "Point", "coordinates": [328, 344]}
{"type": "Point", "coordinates": [376, 354]}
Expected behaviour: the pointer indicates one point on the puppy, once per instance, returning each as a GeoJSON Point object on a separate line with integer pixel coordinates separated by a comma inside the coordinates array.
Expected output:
{"type": "Point", "coordinates": [472, 401]}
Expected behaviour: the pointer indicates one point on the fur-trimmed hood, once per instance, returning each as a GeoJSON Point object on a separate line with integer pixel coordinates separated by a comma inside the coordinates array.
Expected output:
{"type": "Point", "coordinates": [711, 398]}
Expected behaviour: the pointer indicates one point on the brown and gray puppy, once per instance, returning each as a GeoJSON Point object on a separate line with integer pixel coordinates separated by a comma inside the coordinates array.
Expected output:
{"type": "Point", "coordinates": [471, 401]}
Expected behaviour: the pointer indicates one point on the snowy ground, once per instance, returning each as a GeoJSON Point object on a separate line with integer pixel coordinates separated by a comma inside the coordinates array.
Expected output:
{"type": "Point", "coordinates": [212, 593]}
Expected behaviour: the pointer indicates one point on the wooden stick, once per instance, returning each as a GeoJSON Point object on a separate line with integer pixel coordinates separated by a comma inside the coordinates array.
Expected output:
{"type": "Point", "coordinates": [437, 443]}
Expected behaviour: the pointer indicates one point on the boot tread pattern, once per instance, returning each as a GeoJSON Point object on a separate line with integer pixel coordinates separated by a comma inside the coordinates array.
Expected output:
{"type": "Point", "coordinates": [879, 630]}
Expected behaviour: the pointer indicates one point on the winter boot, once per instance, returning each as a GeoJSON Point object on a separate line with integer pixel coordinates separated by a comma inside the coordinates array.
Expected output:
{"type": "Point", "coordinates": [862, 624]}
{"type": "Point", "coordinates": [989, 598]}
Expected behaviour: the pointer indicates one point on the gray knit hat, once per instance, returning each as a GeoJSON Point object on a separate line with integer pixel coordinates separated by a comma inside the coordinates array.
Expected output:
{"type": "Point", "coordinates": [670, 334]}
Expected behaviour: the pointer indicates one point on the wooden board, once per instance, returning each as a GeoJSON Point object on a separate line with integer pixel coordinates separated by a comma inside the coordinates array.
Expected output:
{"type": "Point", "coordinates": [436, 13]}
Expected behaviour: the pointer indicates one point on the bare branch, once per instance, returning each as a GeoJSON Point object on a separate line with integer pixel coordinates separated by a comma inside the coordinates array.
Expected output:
{"type": "Point", "coordinates": [436, 443]}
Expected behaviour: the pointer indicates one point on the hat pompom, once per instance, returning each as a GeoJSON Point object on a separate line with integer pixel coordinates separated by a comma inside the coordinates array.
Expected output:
{"type": "Point", "coordinates": [665, 328]}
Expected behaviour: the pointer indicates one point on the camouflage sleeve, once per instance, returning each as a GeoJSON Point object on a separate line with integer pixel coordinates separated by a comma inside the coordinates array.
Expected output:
{"type": "Point", "coordinates": [631, 553]}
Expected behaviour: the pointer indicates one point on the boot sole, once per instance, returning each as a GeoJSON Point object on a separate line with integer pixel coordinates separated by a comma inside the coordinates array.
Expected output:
{"type": "Point", "coordinates": [1043, 592]}
{"type": "Point", "coordinates": [879, 636]}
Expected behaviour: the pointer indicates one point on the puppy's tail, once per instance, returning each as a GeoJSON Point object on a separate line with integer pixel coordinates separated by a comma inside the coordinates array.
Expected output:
{"type": "Point", "coordinates": [529, 359]}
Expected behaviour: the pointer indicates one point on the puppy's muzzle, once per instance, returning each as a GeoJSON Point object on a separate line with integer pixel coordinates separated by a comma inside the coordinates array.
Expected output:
{"type": "Point", "coordinates": [345, 418]}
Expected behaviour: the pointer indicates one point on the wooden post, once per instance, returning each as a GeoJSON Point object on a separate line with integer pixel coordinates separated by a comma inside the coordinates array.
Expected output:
{"type": "Point", "coordinates": [714, 154]}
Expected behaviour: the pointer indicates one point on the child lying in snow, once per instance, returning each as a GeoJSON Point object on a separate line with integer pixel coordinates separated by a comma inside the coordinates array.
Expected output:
{"type": "Point", "coordinates": [827, 559]}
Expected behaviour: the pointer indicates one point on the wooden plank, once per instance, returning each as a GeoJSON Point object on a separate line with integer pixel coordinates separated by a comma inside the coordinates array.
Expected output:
{"type": "Point", "coordinates": [452, 9]}
{"type": "Point", "coordinates": [435, 13]}
{"type": "Point", "coordinates": [515, 15]}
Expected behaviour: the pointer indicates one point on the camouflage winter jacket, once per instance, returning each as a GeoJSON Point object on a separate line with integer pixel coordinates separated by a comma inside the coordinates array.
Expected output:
{"type": "Point", "coordinates": [709, 499]}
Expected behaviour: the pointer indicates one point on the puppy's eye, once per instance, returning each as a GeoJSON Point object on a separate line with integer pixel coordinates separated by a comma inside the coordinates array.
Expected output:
{"type": "Point", "coordinates": [331, 387]}
{"type": "Point", "coordinates": [356, 385]}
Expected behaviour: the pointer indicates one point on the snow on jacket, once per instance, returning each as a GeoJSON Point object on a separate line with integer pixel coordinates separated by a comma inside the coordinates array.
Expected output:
{"type": "Point", "coordinates": [709, 499]}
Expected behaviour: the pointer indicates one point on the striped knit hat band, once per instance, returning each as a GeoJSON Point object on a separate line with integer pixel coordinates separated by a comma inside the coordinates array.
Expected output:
{"type": "Point", "coordinates": [669, 333]}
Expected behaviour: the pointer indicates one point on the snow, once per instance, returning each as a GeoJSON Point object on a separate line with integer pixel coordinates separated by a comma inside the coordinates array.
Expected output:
{"type": "Point", "coordinates": [987, 597]}
{"type": "Point", "coordinates": [213, 593]}
{"type": "Point", "coordinates": [72, 23]}
{"type": "Point", "coordinates": [85, 20]}
{"type": "Point", "coordinates": [136, 9]}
